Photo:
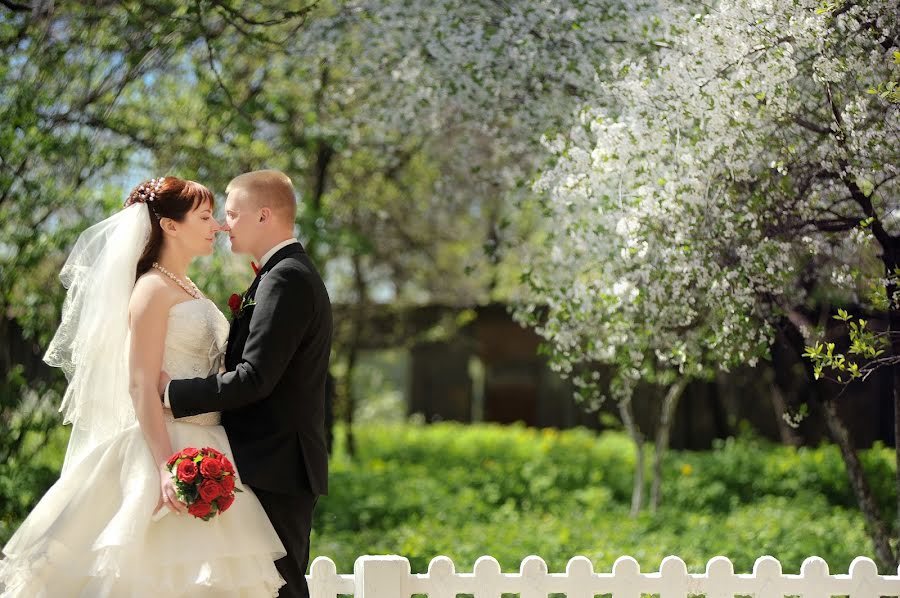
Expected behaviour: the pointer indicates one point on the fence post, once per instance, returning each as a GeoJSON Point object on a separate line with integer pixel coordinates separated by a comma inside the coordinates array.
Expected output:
{"type": "Point", "coordinates": [381, 576]}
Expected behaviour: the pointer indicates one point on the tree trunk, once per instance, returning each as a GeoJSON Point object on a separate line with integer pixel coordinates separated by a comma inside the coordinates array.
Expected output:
{"type": "Point", "coordinates": [359, 315]}
{"type": "Point", "coordinates": [788, 435]}
{"type": "Point", "coordinates": [860, 483]}
{"type": "Point", "coordinates": [891, 260]}
{"type": "Point", "coordinates": [626, 410]}
{"type": "Point", "coordinates": [875, 526]}
{"type": "Point", "coordinates": [666, 414]}
{"type": "Point", "coordinates": [330, 392]}
{"type": "Point", "coordinates": [349, 406]}
{"type": "Point", "coordinates": [890, 257]}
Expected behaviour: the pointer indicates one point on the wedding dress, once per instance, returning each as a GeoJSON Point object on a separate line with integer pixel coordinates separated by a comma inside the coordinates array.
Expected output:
{"type": "Point", "coordinates": [93, 533]}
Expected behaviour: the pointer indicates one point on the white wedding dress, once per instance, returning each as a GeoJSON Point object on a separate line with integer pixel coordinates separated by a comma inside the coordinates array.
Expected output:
{"type": "Point", "coordinates": [93, 533]}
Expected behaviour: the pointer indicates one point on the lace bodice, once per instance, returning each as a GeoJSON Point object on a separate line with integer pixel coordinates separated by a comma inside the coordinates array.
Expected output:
{"type": "Point", "coordinates": [195, 345]}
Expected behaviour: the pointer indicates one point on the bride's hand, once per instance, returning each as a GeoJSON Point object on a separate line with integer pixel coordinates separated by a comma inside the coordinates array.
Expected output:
{"type": "Point", "coordinates": [167, 493]}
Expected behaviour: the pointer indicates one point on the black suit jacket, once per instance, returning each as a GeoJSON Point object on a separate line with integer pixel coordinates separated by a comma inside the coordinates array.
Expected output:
{"type": "Point", "coordinates": [272, 396]}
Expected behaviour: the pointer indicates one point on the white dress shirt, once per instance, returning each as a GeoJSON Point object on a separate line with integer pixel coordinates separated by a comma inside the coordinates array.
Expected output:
{"type": "Point", "coordinates": [268, 255]}
{"type": "Point", "coordinates": [262, 262]}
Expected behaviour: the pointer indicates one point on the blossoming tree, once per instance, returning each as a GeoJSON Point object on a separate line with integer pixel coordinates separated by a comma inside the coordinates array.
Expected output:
{"type": "Point", "coordinates": [719, 186]}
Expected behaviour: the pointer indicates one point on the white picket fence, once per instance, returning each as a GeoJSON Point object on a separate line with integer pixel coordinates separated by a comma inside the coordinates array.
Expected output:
{"type": "Point", "coordinates": [390, 577]}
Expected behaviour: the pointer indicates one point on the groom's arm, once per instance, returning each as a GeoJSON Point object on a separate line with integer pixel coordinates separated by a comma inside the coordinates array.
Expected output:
{"type": "Point", "coordinates": [284, 309]}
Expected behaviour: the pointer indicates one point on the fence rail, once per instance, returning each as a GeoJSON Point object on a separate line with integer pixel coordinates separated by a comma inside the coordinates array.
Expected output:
{"type": "Point", "coordinates": [390, 577]}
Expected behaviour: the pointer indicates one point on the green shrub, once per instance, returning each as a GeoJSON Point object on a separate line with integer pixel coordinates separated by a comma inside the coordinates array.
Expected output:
{"type": "Point", "coordinates": [510, 491]}
{"type": "Point", "coordinates": [469, 490]}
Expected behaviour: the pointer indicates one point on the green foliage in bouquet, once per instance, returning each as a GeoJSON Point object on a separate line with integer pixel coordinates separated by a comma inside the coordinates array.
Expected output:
{"type": "Point", "coordinates": [204, 480]}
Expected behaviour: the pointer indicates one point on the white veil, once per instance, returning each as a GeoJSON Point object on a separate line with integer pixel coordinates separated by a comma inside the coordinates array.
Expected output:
{"type": "Point", "coordinates": [91, 343]}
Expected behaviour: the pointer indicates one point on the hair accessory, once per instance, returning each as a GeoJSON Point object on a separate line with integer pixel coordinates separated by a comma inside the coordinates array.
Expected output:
{"type": "Point", "coordinates": [147, 193]}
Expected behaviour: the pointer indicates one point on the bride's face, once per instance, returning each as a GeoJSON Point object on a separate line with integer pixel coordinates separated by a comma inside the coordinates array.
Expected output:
{"type": "Point", "coordinates": [197, 231]}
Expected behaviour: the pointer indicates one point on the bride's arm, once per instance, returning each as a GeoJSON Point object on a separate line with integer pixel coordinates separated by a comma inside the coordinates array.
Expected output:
{"type": "Point", "coordinates": [148, 313]}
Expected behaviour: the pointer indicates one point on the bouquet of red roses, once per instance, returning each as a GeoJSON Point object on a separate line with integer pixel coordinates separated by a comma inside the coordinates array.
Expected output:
{"type": "Point", "coordinates": [204, 481]}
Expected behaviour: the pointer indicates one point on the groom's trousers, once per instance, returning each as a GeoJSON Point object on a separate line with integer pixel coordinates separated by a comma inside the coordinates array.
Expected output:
{"type": "Point", "coordinates": [291, 516]}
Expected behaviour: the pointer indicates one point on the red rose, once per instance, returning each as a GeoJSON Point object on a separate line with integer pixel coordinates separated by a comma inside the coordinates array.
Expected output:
{"type": "Point", "coordinates": [227, 484]}
{"type": "Point", "coordinates": [223, 502]}
{"type": "Point", "coordinates": [187, 471]}
{"type": "Point", "coordinates": [172, 459]}
{"type": "Point", "coordinates": [234, 303]}
{"type": "Point", "coordinates": [210, 490]}
{"type": "Point", "coordinates": [200, 509]}
{"type": "Point", "coordinates": [211, 468]}
{"type": "Point", "coordinates": [211, 452]}
{"type": "Point", "coordinates": [190, 452]}
{"type": "Point", "coordinates": [227, 467]}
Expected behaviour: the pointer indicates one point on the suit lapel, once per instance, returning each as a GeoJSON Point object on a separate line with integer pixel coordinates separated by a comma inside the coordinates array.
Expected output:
{"type": "Point", "coordinates": [250, 293]}
{"type": "Point", "coordinates": [292, 249]}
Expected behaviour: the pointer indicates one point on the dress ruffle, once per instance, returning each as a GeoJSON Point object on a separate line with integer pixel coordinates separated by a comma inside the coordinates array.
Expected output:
{"type": "Point", "coordinates": [92, 534]}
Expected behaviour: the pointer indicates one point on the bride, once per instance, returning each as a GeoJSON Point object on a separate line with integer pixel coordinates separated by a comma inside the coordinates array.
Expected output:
{"type": "Point", "coordinates": [112, 524]}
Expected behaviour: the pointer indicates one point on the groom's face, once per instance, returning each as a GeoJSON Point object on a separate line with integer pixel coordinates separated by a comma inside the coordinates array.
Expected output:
{"type": "Point", "coordinates": [241, 222]}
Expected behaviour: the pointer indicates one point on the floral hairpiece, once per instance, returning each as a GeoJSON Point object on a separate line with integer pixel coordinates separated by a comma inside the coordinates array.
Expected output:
{"type": "Point", "coordinates": [147, 193]}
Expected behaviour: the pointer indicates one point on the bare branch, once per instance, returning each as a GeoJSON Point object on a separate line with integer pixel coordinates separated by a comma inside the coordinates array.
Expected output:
{"type": "Point", "coordinates": [834, 225]}
{"type": "Point", "coordinates": [811, 126]}
{"type": "Point", "coordinates": [15, 6]}
{"type": "Point", "coordinates": [286, 15]}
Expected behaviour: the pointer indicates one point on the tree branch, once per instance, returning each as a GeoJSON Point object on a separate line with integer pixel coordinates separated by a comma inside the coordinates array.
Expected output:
{"type": "Point", "coordinates": [864, 201]}
{"type": "Point", "coordinates": [12, 182]}
{"type": "Point", "coordinates": [212, 67]}
{"type": "Point", "coordinates": [721, 72]}
{"type": "Point", "coordinates": [15, 6]}
{"type": "Point", "coordinates": [811, 126]}
{"type": "Point", "coordinates": [286, 15]}
{"type": "Point", "coordinates": [834, 225]}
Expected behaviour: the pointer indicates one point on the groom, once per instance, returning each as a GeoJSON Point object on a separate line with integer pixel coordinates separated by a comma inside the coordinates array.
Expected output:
{"type": "Point", "coordinates": [272, 395]}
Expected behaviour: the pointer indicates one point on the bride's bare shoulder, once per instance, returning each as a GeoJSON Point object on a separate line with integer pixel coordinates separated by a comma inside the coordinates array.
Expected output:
{"type": "Point", "coordinates": [151, 293]}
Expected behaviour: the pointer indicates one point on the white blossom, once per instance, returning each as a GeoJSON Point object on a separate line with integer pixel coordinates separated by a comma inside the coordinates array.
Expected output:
{"type": "Point", "coordinates": [709, 175]}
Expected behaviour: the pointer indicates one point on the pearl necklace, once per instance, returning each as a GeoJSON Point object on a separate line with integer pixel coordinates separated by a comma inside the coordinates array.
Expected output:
{"type": "Point", "coordinates": [193, 291]}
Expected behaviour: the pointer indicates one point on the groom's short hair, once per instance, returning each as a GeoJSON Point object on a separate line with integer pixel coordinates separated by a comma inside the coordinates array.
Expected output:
{"type": "Point", "coordinates": [268, 188]}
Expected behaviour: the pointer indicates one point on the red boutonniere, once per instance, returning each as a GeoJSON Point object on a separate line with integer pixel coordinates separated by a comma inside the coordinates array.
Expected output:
{"type": "Point", "coordinates": [255, 268]}
{"type": "Point", "coordinates": [237, 304]}
{"type": "Point", "coordinates": [234, 303]}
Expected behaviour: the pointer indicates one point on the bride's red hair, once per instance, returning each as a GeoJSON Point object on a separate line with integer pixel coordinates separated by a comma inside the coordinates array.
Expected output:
{"type": "Point", "coordinates": [172, 198]}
